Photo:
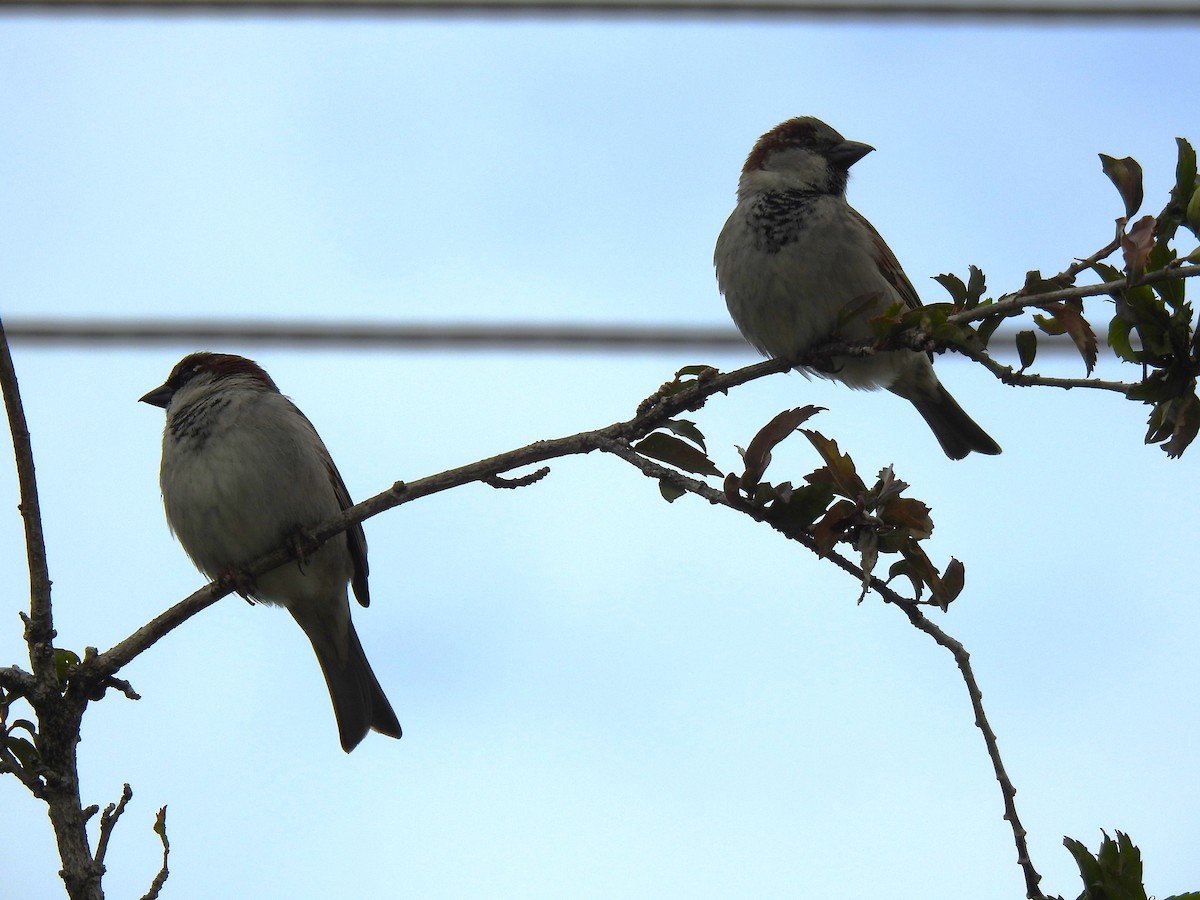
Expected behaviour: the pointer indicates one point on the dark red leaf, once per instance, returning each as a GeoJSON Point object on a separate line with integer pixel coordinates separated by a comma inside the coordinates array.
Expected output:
{"type": "Point", "coordinates": [826, 532]}
{"type": "Point", "coordinates": [758, 455]}
{"type": "Point", "coordinates": [1137, 242]}
{"type": "Point", "coordinates": [1067, 319]}
{"type": "Point", "coordinates": [1126, 174]}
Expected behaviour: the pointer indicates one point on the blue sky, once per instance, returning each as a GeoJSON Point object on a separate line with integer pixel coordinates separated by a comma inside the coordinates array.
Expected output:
{"type": "Point", "coordinates": [603, 695]}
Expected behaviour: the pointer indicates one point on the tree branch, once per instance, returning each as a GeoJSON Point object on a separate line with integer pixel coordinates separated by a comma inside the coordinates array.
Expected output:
{"type": "Point", "coordinates": [160, 828]}
{"type": "Point", "coordinates": [1010, 304]}
{"type": "Point", "coordinates": [16, 681]}
{"type": "Point", "coordinates": [1009, 375]}
{"type": "Point", "coordinates": [919, 620]}
{"type": "Point", "coordinates": [1009, 793]}
{"type": "Point", "coordinates": [39, 629]}
{"type": "Point", "coordinates": [652, 412]}
{"type": "Point", "coordinates": [108, 821]}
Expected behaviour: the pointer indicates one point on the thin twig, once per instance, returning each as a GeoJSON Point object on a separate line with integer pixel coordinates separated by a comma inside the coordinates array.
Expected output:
{"type": "Point", "coordinates": [108, 821]}
{"type": "Point", "coordinates": [40, 625]}
{"type": "Point", "coordinates": [160, 828]}
{"type": "Point", "coordinates": [1009, 375]}
{"type": "Point", "coordinates": [1081, 265]}
{"type": "Point", "coordinates": [911, 609]}
{"type": "Point", "coordinates": [1010, 304]}
{"type": "Point", "coordinates": [963, 659]}
{"type": "Point", "coordinates": [533, 477]}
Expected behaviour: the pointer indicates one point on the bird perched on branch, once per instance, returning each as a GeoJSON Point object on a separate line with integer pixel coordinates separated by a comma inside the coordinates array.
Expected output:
{"type": "Point", "coordinates": [244, 472]}
{"type": "Point", "coordinates": [800, 267]}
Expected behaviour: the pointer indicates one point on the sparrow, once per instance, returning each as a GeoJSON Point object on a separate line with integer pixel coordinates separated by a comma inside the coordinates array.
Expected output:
{"type": "Point", "coordinates": [799, 267]}
{"type": "Point", "coordinates": [243, 472]}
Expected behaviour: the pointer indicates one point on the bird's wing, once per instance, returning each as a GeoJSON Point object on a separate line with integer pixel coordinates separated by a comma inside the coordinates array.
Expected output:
{"type": "Point", "coordinates": [889, 266]}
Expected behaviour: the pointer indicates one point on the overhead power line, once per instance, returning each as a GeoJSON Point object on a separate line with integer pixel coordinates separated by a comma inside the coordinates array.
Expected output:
{"type": "Point", "coordinates": [874, 9]}
{"type": "Point", "coordinates": [433, 336]}
{"type": "Point", "coordinates": [560, 338]}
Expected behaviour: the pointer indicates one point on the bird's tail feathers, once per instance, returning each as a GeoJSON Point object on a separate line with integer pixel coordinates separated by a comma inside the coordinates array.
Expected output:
{"type": "Point", "coordinates": [956, 431]}
{"type": "Point", "coordinates": [359, 703]}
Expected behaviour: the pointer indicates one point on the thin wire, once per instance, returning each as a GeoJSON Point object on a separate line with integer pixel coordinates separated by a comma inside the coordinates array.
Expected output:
{"type": "Point", "coordinates": [675, 9]}
{"type": "Point", "coordinates": [568, 338]}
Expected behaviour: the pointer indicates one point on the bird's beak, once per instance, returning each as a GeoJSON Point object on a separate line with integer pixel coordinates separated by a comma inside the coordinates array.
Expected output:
{"type": "Point", "coordinates": [847, 153]}
{"type": "Point", "coordinates": [159, 397]}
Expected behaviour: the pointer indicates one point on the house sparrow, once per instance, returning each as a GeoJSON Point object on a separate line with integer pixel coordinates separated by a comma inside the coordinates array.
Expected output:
{"type": "Point", "coordinates": [243, 471]}
{"type": "Point", "coordinates": [799, 266]}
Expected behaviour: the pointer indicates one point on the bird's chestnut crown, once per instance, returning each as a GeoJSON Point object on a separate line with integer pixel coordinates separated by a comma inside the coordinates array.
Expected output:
{"type": "Point", "coordinates": [216, 365]}
{"type": "Point", "coordinates": [805, 133]}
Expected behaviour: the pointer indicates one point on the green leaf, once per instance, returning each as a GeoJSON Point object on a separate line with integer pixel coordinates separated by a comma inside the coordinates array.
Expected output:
{"type": "Point", "coordinates": [1172, 292]}
{"type": "Point", "coordinates": [976, 285]}
{"type": "Point", "coordinates": [954, 286]}
{"type": "Point", "coordinates": [1036, 284]}
{"type": "Point", "coordinates": [65, 662]}
{"type": "Point", "coordinates": [1026, 348]}
{"type": "Point", "coordinates": [804, 506]}
{"type": "Point", "coordinates": [1126, 174]}
{"type": "Point", "coordinates": [1118, 338]}
{"type": "Point", "coordinates": [1089, 868]}
{"type": "Point", "coordinates": [1107, 272]}
{"type": "Point", "coordinates": [694, 371]}
{"type": "Point", "coordinates": [1194, 895]}
{"type": "Point", "coordinates": [1185, 172]}
{"type": "Point", "coordinates": [688, 430]}
{"type": "Point", "coordinates": [1114, 873]}
{"type": "Point", "coordinates": [985, 328]}
{"type": "Point", "coordinates": [675, 452]}
{"type": "Point", "coordinates": [670, 492]}
{"type": "Point", "coordinates": [1193, 212]}
{"type": "Point", "coordinates": [23, 750]}
{"type": "Point", "coordinates": [1184, 205]}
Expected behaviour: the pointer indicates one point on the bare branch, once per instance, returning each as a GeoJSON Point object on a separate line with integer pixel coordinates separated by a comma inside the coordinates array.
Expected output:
{"type": "Point", "coordinates": [108, 821]}
{"type": "Point", "coordinates": [16, 681]}
{"type": "Point", "coordinates": [160, 828]}
{"type": "Point", "coordinates": [533, 477]}
{"type": "Point", "coordinates": [1081, 265]}
{"type": "Point", "coordinates": [963, 659]}
{"type": "Point", "coordinates": [39, 631]}
{"type": "Point", "coordinates": [621, 448]}
{"type": "Point", "coordinates": [1009, 375]}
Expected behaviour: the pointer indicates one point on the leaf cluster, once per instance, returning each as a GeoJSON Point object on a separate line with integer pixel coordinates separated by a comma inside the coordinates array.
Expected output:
{"type": "Point", "coordinates": [1151, 324]}
{"type": "Point", "coordinates": [1115, 872]}
{"type": "Point", "coordinates": [831, 505]}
